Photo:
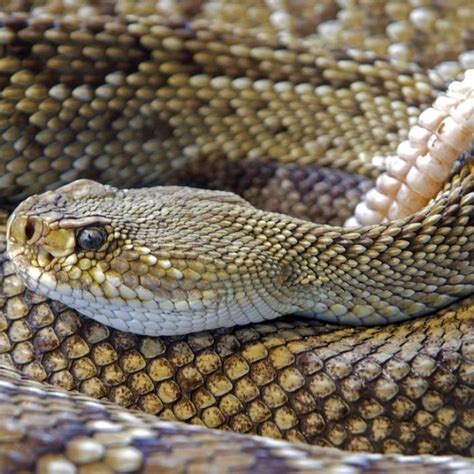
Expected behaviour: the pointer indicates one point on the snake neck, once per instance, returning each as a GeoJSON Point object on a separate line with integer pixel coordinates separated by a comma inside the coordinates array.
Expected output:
{"type": "Point", "coordinates": [387, 273]}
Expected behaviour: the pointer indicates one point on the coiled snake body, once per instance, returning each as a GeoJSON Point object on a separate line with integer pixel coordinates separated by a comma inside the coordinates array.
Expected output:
{"type": "Point", "coordinates": [263, 112]}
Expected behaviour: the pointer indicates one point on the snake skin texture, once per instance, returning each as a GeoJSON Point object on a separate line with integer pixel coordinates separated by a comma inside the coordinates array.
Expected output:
{"type": "Point", "coordinates": [174, 260]}
{"type": "Point", "coordinates": [322, 195]}
{"type": "Point", "coordinates": [403, 388]}
{"type": "Point", "coordinates": [163, 96]}
{"type": "Point", "coordinates": [68, 433]}
{"type": "Point", "coordinates": [201, 93]}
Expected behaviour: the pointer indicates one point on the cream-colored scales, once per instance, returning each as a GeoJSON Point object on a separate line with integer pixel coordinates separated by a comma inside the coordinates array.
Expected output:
{"type": "Point", "coordinates": [174, 260]}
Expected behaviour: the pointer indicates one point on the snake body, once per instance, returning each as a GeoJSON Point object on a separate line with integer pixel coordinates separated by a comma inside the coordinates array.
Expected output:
{"type": "Point", "coordinates": [202, 102]}
{"type": "Point", "coordinates": [175, 260]}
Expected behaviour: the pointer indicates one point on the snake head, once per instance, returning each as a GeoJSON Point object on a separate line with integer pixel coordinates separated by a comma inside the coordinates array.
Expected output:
{"type": "Point", "coordinates": [158, 261]}
{"type": "Point", "coordinates": [39, 227]}
{"type": "Point", "coordinates": [44, 241]}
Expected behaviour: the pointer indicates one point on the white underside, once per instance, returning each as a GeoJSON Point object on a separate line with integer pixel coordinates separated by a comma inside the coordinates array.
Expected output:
{"type": "Point", "coordinates": [223, 312]}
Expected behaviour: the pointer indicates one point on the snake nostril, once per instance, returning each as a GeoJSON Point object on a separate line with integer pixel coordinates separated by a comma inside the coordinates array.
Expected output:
{"type": "Point", "coordinates": [33, 228]}
{"type": "Point", "coordinates": [21, 229]}
{"type": "Point", "coordinates": [29, 229]}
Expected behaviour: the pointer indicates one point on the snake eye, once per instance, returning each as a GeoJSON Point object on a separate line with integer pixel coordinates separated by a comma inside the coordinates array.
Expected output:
{"type": "Point", "coordinates": [91, 238]}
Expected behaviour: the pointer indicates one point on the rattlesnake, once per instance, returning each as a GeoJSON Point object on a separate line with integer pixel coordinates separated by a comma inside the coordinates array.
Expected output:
{"type": "Point", "coordinates": [401, 388]}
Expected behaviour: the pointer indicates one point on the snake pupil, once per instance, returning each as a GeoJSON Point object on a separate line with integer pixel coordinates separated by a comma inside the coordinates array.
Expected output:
{"type": "Point", "coordinates": [91, 238]}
